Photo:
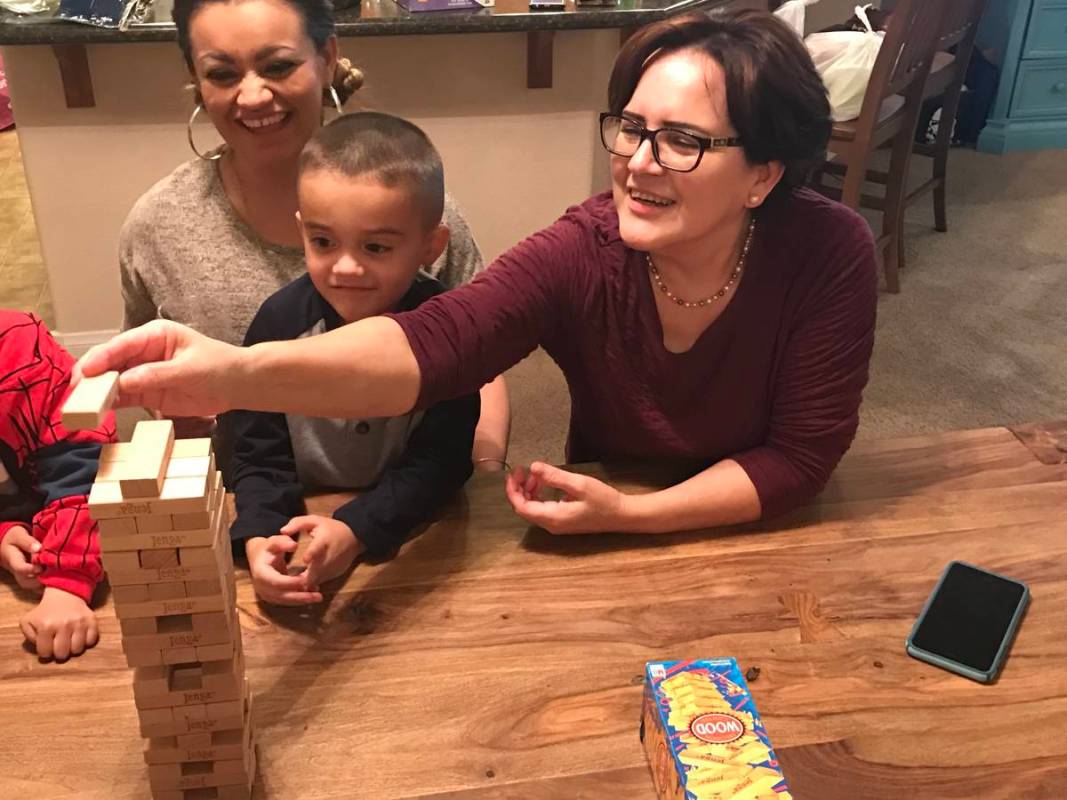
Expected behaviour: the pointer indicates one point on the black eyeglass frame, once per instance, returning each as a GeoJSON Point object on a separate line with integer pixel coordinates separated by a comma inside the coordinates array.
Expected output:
{"type": "Point", "coordinates": [647, 133]}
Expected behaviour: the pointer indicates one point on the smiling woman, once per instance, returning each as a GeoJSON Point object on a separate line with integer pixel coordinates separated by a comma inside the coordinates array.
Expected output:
{"type": "Point", "coordinates": [210, 242]}
{"type": "Point", "coordinates": [707, 308]}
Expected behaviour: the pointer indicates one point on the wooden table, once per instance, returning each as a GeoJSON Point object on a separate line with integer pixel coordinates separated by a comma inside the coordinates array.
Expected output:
{"type": "Point", "coordinates": [491, 661]}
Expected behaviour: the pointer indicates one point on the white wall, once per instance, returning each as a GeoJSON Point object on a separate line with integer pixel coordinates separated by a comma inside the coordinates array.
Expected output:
{"type": "Point", "coordinates": [514, 157]}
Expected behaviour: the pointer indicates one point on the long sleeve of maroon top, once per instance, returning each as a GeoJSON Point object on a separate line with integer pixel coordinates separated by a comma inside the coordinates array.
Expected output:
{"type": "Point", "coordinates": [774, 383]}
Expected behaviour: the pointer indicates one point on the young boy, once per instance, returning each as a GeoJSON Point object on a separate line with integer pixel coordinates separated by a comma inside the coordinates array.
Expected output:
{"type": "Point", "coordinates": [47, 539]}
{"type": "Point", "coordinates": [371, 194]}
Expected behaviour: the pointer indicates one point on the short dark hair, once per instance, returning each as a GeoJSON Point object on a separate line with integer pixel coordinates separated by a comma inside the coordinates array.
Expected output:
{"type": "Point", "coordinates": [775, 99]}
{"type": "Point", "coordinates": [316, 14]}
{"type": "Point", "coordinates": [390, 149]}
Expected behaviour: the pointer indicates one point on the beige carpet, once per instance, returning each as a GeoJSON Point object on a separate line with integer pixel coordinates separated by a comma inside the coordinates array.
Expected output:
{"type": "Point", "coordinates": [977, 336]}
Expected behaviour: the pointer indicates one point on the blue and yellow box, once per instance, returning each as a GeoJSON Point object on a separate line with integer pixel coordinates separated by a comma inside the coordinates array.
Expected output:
{"type": "Point", "coordinates": [703, 735]}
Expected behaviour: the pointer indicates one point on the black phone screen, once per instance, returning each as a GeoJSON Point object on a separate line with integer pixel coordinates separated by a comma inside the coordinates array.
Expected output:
{"type": "Point", "coordinates": [969, 617]}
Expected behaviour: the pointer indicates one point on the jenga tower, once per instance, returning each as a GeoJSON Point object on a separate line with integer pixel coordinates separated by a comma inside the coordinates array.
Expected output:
{"type": "Point", "coordinates": [161, 509]}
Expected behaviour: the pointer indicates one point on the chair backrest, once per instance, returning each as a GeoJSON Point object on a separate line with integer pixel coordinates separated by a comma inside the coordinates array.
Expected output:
{"type": "Point", "coordinates": [960, 23]}
{"type": "Point", "coordinates": [913, 32]}
{"type": "Point", "coordinates": [904, 59]}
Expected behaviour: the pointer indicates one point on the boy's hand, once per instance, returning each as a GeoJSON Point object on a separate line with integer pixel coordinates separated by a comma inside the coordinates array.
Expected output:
{"type": "Point", "coordinates": [16, 552]}
{"type": "Point", "coordinates": [61, 625]}
{"type": "Point", "coordinates": [270, 577]}
{"type": "Point", "coordinates": [332, 550]}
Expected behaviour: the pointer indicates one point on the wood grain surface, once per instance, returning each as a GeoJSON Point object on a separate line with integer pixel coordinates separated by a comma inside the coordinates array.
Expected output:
{"type": "Point", "coordinates": [492, 661]}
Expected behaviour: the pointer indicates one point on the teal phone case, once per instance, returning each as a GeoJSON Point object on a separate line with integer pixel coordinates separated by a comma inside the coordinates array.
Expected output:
{"type": "Point", "coordinates": [987, 676]}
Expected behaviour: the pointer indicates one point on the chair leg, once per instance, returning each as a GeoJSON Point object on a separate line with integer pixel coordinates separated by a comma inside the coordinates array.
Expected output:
{"type": "Point", "coordinates": [949, 110]}
{"type": "Point", "coordinates": [940, 170]}
{"type": "Point", "coordinates": [900, 244]}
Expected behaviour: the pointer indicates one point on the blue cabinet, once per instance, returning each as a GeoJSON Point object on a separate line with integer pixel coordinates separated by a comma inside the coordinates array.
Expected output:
{"type": "Point", "coordinates": [1030, 110]}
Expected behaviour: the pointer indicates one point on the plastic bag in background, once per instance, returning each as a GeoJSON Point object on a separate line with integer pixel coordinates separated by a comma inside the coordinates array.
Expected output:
{"type": "Point", "coordinates": [791, 12]}
{"type": "Point", "coordinates": [845, 59]}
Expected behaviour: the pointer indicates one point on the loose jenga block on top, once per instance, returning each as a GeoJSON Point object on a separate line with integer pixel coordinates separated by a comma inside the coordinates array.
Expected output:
{"type": "Point", "coordinates": [89, 401]}
{"type": "Point", "coordinates": [153, 440]}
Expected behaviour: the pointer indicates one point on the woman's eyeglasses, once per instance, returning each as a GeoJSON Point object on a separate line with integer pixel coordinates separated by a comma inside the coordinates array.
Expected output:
{"type": "Point", "coordinates": [673, 149]}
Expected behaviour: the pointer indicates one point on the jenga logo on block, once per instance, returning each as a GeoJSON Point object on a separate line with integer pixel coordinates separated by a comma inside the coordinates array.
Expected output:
{"type": "Point", "coordinates": [716, 728]}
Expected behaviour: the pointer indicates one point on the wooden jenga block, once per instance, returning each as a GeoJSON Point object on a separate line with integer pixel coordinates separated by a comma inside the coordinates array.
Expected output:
{"type": "Point", "coordinates": [119, 526]}
{"type": "Point", "coordinates": [178, 655]}
{"type": "Point", "coordinates": [211, 793]}
{"type": "Point", "coordinates": [181, 605]}
{"type": "Point", "coordinates": [192, 448]}
{"type": "Point", "coordinates": [189, 683]}
{"type": "Point", "coordinates": [195, 556]}
{"type": "Point", "coordinates": [140, 626]}
{"type": "Point", "coordinates": [180, 720]}
{"type": "Point", "coordinates": [205, 587]}
{"type": "Point", "coordinates": [130, 594]}
{"type": "Point", "coordinates": [166, 591]}
{"type": "Point", "coordinates": [117, 562]}
{"type": "Point", "coordinates": [194, 602]}
{"type": "Point", "coordinates": [184, 631]}
{"type": "Point", "coordinates": [215, 746]}
{"type": "Point", "coordinates": [153, 440]}
{"type": "Point", "coordinates": [158, 559]}
{"type": "Point", "coordinates": [209, 570]}
{"type": "Point", "coordinates": [90, 401]}
{"type": "Point", "coordinates": [143, 538]}
{"type": "Point", "coordinates": [158, 523]}
{"type": "Point", "coordinates": [199, 774]}
{"type": "Point", "coordinates": [191, 467]}
{"type": "Point", "coordinates": [178, 496]}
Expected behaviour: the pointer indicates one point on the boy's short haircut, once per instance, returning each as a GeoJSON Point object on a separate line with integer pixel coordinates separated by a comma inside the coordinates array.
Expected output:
{"type": "Point", "coordinates": [390, 149]}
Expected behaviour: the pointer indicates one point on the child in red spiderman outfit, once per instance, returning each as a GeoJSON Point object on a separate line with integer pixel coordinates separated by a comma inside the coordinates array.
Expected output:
{"type": "Point", "coordinates": [47, 539]}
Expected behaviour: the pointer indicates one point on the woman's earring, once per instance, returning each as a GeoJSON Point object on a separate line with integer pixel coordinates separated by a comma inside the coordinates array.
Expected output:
{"type": "Point", "coordinates": [336, 101]}
{"type": "Point", "coordinates": [754, 200]}
{"type": "Point", "coordinates": [192, 144]}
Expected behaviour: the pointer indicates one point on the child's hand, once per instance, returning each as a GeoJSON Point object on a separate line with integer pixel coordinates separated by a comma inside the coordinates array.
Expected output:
{"type": "Point", "coordinates": [332, 550]}
{"type": "Point", "coordinates": [16, 550]}
{"type": "Point", "coordinates": [270, 576]}
{"type": "Point", "coordinates": [62, 625]}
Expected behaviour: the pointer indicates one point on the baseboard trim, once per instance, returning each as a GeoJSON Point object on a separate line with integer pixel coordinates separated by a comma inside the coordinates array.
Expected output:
{"type": "Point", "coordinates": [79, 342]}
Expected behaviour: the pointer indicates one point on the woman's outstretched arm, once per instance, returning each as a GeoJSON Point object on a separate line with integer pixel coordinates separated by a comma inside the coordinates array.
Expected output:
{"type": "Point", "coordinates": [366, 369]}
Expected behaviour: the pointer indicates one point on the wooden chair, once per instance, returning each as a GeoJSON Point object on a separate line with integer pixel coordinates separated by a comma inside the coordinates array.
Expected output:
{"type": "Point", "coordinates": [888, 117]}
{"type": "Point", "coordinates": [959, 27]}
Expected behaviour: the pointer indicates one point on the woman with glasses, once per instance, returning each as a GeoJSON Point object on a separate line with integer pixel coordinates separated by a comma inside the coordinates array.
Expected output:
{"type": "Point", "coordinates": [706, 308]}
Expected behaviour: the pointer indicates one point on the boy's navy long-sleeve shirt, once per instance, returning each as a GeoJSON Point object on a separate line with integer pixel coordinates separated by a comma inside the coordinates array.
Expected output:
{"type": "Point", "coordinates": [406, 466]}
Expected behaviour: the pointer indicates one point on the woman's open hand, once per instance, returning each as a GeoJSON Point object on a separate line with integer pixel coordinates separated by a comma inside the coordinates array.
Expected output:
{"type": "Point", "coordinates": [168, 367]}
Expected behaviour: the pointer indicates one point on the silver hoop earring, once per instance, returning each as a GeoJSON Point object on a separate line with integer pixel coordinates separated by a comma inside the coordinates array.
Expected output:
{"type": "Point", "coordinates": [189, 134]}
{"type": "Point", "coordinates": [336, 101]}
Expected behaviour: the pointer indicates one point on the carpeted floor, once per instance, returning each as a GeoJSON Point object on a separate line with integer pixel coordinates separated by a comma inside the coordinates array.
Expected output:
{"type": "Point", "coordinates": [977, 336]}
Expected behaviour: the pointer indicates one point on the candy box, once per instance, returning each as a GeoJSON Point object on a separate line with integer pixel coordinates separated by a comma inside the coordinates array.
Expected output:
{"type": "Point", "coordinates": [703, 735]}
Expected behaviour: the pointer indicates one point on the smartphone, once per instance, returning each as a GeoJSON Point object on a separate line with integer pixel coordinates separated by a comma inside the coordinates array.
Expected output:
{"type": "Point", "coordinates": [969, 621]}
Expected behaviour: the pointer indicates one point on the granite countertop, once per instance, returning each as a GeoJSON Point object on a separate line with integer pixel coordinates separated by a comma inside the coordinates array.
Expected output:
{"type": "Point", "coordinates": [367, 18]}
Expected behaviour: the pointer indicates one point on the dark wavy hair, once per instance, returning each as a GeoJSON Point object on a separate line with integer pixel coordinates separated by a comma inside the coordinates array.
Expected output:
{"type": "Point", "coordinates": [316, 14]}
{"type": "Point", "coordinates": [776, 100]}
